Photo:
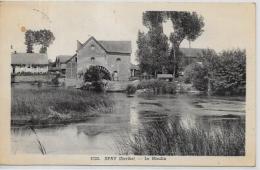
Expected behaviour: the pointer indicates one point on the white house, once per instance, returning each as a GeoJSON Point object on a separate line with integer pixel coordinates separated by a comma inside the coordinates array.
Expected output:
{"type": "Point", "coordinates": [29, 63]}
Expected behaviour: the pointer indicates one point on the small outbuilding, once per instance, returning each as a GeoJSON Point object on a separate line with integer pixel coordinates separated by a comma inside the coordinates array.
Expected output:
{"type": "Point", "coordinates": [29, 63]}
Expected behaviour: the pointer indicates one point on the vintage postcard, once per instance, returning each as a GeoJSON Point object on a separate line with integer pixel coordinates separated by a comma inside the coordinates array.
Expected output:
{"type": "Point", "coordinates": [115, 83]}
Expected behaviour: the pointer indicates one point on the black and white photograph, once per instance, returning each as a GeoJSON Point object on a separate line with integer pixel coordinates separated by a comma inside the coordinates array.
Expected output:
{"type": "Point", "coordinates": [129, 80]}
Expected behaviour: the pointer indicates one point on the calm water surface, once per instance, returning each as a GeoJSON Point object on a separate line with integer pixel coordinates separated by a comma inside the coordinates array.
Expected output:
{"type": "Point", "coordinates": [100, 135]}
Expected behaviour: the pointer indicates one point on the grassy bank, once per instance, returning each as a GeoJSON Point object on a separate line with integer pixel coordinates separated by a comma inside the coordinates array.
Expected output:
{"type": "Point", "coordinates": [55, 106]}
{"type": "Point", "coordinates": [225, 138]}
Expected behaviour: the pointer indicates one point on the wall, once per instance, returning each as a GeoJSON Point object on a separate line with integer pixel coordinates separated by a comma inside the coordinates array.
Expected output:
{"type": "Point", "coordinates": [122, 67]}
{"type": "Point", "coordinates": [31, 68]}
{"type": "Point", "coordinates": [32, 78]}
{"type": "Point", "coordinates": [91, 49]}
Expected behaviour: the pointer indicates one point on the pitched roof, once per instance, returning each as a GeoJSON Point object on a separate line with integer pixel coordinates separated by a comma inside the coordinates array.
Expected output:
{"type": "Point", "coordinates": [191, 52]}
{"type": "Point", "coordinates": [63, 58]}
{"type": "Point", "coordinates": [29, 58]}
{"type": "Point", "coordinates": [117, 46]}
{"type": "Point", "coordinates": [112, 46]}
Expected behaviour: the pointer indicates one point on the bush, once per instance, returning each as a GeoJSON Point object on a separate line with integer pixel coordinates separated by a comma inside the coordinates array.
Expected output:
{"type": "Point", "coordinates": [227, 71]}
{"type": "Point", "coordinates": [130, 89]}
{"type": "Point", "coordinates": [197, 75]}
{"type": "Point", "coordinates": [98, 86]}
{"type": "Point", "coordinates": [55, 80]}
{"type": "Point", "coordinates": [158, 86]}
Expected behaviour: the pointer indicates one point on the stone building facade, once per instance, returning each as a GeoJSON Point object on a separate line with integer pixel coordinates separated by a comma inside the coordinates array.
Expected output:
{"type": "Point", "coordinates": [114, 56]}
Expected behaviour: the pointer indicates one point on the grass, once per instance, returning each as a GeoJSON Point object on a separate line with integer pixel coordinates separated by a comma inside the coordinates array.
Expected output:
{"type": "Point", "coordinates": [56, 105]}
{"type": "Point", "coordinates": [222, 138]}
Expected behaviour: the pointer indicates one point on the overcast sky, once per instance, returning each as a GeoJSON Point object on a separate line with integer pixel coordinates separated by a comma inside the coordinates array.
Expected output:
{"type": "Point", "coordinates": [227, 26]}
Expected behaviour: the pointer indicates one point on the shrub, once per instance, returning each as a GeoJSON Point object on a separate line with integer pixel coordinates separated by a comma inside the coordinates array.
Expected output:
{"type": "Point", "coordinates": [158, 86]}
{"type": "Point", "coordinates": [199, 77]}
{"type": "Point", "coordinates": [227, 71]}
{"type": "Point", "coordinates": [130, 89]}
{"type": "Point", "coordinates": [98, 86]}
{"type": "Point", "coordinates": [55, 80]}
{"type": "Point", "coordinates": [196, 74]}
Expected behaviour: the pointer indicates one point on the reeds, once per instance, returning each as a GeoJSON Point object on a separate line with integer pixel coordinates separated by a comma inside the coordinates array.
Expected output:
{"type": "Point", "coordinates": [34, 106]}
{"type": "Point", "coordinates": [224, 138]}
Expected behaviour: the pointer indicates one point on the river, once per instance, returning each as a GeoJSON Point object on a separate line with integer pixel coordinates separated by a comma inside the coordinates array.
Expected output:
{"type": "Point", "coordinates": [101, 135]}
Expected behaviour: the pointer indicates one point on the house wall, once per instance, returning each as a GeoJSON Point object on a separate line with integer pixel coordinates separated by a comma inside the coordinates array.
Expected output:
{"type": "Point", "coordinates": [91, 50]}
{"type": "Point", "coordinates": [122, 66]}
{"type": "Point", "coordinates": [32, 78]}
{"type": "Point", "coordinates": [76, 67]}
{"type": "Point", "coordinates": [71, 72]}
{"type": "Point", "coordinates": [30, 68]}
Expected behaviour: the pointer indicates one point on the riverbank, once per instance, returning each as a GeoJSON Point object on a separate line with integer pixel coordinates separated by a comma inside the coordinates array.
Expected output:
{"type": "Point", "coordinates": [51, 106]}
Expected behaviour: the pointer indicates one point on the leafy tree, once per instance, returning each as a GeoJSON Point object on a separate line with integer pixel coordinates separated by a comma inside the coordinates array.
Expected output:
{"type": "Point", "coordinates": [152, 46]}
{"type": "Point", "coordinates": [144, 53]}
{"type": "Point", "coordinates": [187, 26]}
{"type": "Point", "coordinates": [230, 77]}
{"type": "Point", "coordinates": [29, 40]}
{"type": "Point", "coordinates": [42, 37]}
{"type": "Point", "coordinates": [196, 74]}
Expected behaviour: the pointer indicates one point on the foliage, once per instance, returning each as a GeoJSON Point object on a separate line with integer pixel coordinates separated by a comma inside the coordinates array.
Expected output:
{"type": "Point", "coordinates": [152, 46]}
{"type": "Point", "coordinates": [95, 75]}
{"type": "Point", "coordinates": [29, 40]}
{"type": "Point", "coordinates": [98, 86]}
{"type": "Point", "coordinates": [42, 37]}
{"type": "Point", "coordinates": [226, 71]}
{"type": "Point", "coordinates": [225, 138]}
{"type": "Point", "coordinates": [153, 51]}
{"type": "Point", "coordinates": [188, 72]}
{"type": "Point", "coordinates": [55, 80]}
{"type": "Point", "coordinates": [34, 106]}
{"type": "Point", "coordinates": [186, 25]}
{"type": "Point", "coordinates": [197, 75]}
{"type": "Point", "coordinates": [130, 89]}
{"type": "Point", "coordinates": [158, 86]}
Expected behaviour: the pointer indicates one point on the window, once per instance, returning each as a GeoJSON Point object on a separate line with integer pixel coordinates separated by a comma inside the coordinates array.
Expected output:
{"type": "Point", "coordinates": [76, 59]}
{"type": "Point", "coordinates": [92, 47]}
{"type": "Point", "coordinates": [92, 59]}
{"type": "Point", "coordinates": [118, 59]}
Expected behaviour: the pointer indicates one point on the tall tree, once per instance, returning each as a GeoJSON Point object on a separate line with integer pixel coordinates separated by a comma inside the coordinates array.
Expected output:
{"type": "Point", "coordinates": [186, 25]}
{"type": "Point", "coordinates": [42, 37]}
{"type": "Point", "coordinates": [29, 40]}
{"type": "Point", "coordinates": [154, 43]}
{"type": "Point", "coordinates": [144, 53]}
